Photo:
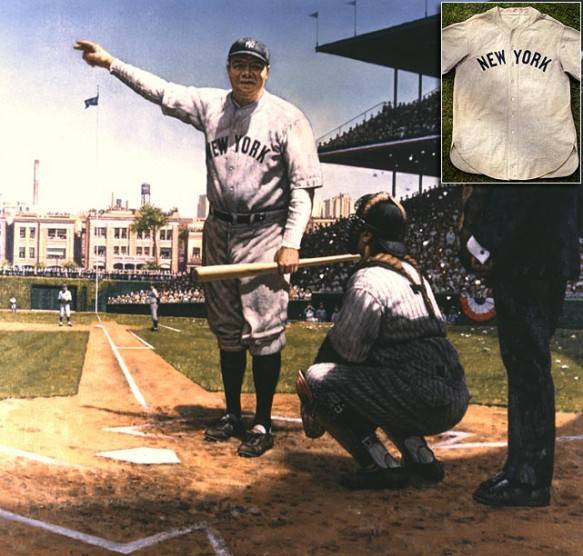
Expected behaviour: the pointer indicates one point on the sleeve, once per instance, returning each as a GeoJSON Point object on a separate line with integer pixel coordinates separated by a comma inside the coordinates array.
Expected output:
{"type": "Point", "coordinates": [301, 156]}
{"type": "Point", "coordinates": [357, 327]}
{"type": "Point", "coordinates": [298, 216]}
{"type": "Point", "coordinates": [570, 52]}
{"type": "Point", "coordinates": [454, 46]}
{"type": "Point", "coordinates": [178, 101]}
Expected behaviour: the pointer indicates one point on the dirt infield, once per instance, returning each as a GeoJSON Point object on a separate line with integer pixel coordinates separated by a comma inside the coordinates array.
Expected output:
{"type": "Point", "coordinates": [58, 496]}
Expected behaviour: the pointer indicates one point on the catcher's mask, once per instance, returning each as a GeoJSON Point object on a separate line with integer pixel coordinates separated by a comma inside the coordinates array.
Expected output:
{"type": "Point", "coordinates": [385, 218]}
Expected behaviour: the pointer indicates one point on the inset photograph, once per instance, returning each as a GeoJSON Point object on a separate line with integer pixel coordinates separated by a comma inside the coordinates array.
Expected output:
{"type": "Point", "coordinates": [510, 92]}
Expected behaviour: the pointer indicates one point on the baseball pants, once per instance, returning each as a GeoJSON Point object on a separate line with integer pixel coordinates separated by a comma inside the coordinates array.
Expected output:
{"type": "Point", "coordinates": [65, 310]}
{"type": "Point", "coordinates": [248, 312]}
{"type": "Point", "coordinates": [427, 396]}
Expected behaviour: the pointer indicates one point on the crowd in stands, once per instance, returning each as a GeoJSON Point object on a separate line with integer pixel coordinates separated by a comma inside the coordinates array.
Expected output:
{"type": "Point", "coordinates": [432, 240]}
{"type": "Point", "coordinates": [58, 272]}
{"type": "Point", "coordinates": [413, 119]}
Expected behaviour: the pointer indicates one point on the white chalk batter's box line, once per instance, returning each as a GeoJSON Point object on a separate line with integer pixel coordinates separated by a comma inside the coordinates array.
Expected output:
{"type": "Point", "coordinates": [216, 541]}
{"type": "Point", "coordinates": [454, 440]}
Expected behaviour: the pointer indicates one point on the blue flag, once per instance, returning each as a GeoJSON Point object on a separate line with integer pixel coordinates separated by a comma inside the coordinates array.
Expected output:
{"type": "Point", "coordinates": [91, 101]}
{"type": "Point", "coordinates": [315, 15]}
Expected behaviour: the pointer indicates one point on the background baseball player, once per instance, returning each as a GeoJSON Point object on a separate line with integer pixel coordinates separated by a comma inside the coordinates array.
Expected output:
{"type": "Point", "coordinates": [154, 301]}
{"type": "Point", "coordinates": [65, 299]}
{"type": "Point", "coordinates": [13, 304]}
{"type": "Point", "coordinates": [386, 362]}
{"type": "Point", "coordinates": [262, 167]}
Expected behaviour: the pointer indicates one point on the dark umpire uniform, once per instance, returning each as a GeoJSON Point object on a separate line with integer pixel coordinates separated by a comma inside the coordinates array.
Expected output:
{"type": "Point", "coordinates": [531, 235]}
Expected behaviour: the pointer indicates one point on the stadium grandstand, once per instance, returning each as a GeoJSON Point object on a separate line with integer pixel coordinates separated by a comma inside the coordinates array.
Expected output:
{"type": "Point", "coordinates": [392, 136]}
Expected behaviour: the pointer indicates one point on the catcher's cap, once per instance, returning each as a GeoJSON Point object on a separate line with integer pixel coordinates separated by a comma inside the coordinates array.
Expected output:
{"type": "Point", "coordinates": [250, 47]}
{"type": "Point", "coordinates": [384, 216]}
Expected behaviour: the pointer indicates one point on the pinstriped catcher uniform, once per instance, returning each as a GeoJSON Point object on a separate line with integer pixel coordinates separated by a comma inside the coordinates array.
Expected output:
{"type": "Point", "coordinates": [386, 362]}
{"type": "Point", "coordinates": [256, 155]}
{"type": "Point", "coordinates": [401, 373]}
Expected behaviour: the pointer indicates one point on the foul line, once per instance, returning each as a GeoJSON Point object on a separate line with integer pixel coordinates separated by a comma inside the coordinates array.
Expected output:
{"type": "Point", "coordinates": [169, 328]}
{"type": "Point", "coordinates": [215, 540]}
{"type": "Point", "coordinates": [150, 346]}
{"type": "Point", "coordinates": [32, 456]}
{"type": "Point", "coordinates": [126, 372]}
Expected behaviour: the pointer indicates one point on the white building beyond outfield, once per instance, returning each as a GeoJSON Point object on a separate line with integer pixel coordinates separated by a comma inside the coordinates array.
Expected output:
{"type": "Point", "coordinates": [98, 239]}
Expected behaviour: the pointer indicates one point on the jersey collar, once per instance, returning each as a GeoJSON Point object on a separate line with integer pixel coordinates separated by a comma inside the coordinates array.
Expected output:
{"type": "Point", "coordinates": [248, 107]}
{"type": "Point", "coordinates": [531, 14]}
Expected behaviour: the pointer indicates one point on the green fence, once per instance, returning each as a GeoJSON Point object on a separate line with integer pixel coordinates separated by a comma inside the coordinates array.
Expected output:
{"type": "Point", "coordinates": [41, 293]}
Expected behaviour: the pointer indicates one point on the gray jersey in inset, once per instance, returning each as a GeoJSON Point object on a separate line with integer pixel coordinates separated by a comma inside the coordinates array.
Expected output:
{"type": "Point", "coordinates": [512, 115]}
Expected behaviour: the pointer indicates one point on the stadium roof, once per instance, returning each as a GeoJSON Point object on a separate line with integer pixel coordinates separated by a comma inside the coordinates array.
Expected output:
{"type": "Point", "coordinates": [419, 155]}
{"type": "Point", "coordinates": [412, 46]}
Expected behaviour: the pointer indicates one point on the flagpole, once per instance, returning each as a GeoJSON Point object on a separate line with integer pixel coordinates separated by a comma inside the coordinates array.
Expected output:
{"type": "Point", "coordinates": [355, 18]}
{"type": "Point", "coordinates": [97, 140]}
{"type": "Point", "coordinates": [316, 16]}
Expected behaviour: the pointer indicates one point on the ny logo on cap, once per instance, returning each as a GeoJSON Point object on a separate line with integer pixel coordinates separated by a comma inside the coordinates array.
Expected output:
{"type": "Point", "coordinates": [250, 44]}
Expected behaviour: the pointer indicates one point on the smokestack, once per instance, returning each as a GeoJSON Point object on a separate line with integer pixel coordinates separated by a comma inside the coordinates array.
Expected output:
{"type": "Point", "coordinates": [35, 184]}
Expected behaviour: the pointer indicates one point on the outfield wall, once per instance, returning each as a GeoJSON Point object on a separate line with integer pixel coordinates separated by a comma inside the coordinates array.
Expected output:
{"type": "Point", "coordinates": [40, 293]}
{"type": "Point", "coordinates": [571, 317]}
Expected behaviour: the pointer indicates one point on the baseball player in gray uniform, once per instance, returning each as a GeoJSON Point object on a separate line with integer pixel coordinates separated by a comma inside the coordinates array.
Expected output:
{"type": "Point", "coordinates": [65, 299]}
{"type": "Point", "coordinates": [154, 301]}
{"type": "Point", "coordinates": [512, 116]}
{"type": "Point", "coordinates": [386, 362]}
{"type": "Point", "coordinates": [262, 168]}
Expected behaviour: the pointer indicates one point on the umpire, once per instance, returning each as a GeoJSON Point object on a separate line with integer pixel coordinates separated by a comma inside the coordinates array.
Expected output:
{"type": "Point", "coordinates": [525, 240]}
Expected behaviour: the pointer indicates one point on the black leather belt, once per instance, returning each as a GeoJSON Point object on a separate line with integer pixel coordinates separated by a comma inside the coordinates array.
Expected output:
{"type": "Point", "coordinates": [234, 218]}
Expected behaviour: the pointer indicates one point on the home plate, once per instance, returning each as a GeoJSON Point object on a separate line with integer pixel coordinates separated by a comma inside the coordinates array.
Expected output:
{"type": "Point", "coordinates": [145, 456]}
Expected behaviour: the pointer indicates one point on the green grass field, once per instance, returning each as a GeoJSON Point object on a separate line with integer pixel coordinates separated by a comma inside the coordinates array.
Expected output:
{"type": "Point", "coordinates": [454, 13]}
{"type": "Point", "coordinates": [49, 363]}
{"type": "Point", "coordinates": [43, 364]}
{"type": "Point", "coordinates": [193, 352]}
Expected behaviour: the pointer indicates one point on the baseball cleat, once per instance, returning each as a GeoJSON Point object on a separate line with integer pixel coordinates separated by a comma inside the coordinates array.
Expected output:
{"type": "Point", "coordinates": [60, 324]}
{"type": "Point", "coordinates": [394, 478]}
{"type": "Point", "coordinates": [226, 427]}
{"type": "Point", "coordinates": [488, 483]}
{"type": "Point", "coordinates": [256, 443]}
{"type": "Point", "coordinates": [505, 493]}
{"type": "Point", "coordinates": [420, 461]}
{"type": "Point", "coordinates": [432, 472]}
{"type": "Point", "coordinates": [69, 324]}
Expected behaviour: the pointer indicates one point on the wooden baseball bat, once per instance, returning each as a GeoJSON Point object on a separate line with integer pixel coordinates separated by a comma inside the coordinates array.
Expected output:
{"type": "Point", "coordinates": [232, 271]}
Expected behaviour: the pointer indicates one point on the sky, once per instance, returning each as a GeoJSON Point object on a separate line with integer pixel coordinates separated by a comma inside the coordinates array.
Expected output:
{"type": "Point", "coordinates": [86, 155]}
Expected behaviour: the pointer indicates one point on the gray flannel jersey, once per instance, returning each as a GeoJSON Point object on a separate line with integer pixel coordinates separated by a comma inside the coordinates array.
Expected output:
{"type": "Point", "coordinates": [255, 154]}
{"type": "Point", "coordinates": [512, 116]}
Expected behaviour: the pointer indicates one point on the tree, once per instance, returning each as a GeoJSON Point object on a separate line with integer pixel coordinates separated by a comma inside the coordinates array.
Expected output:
{"type": "Point", "coordinates": [150, 218]}
{"type": "Point", "coordinates": [183, 233]}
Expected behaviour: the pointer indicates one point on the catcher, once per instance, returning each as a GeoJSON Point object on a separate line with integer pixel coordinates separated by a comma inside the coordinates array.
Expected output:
{"type": "Point", "coordinates": [386, 362]}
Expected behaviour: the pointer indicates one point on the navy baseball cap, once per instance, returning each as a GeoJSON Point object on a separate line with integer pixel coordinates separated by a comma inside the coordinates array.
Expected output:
{"type": "Point", "coordinates": [250, 47]}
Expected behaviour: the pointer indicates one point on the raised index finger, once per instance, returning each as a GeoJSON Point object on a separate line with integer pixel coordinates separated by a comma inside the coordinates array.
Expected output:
{"type": "Point", "coordinates": [84, 45]}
